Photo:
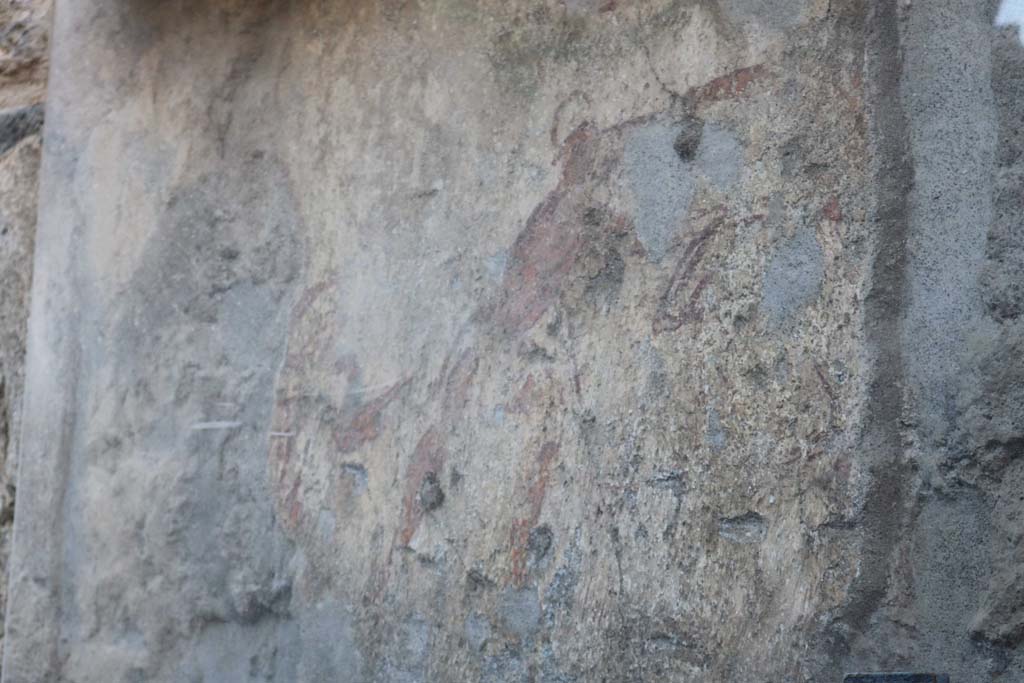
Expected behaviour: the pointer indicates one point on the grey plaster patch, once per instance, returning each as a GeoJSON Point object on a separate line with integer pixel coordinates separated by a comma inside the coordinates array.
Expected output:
{"type": "Point", "coordinates": [1003, 288]}
{"type": "Point", "coordinates": [662, 185]}
{"type": "Point", "coordinates": [409, 653]}
{"type": "Point", "coordinates": [560, 595]}
{"type": "Point", "coordinates": [771, 13]}
{"type": "Point", "coordinates": [477, 631]}
{"type": "Point", "coordinates": [329, 651]}
{"type": "Point", "coordinates": [520, 612]}
{"type": "Point", "coordinates": [716, 436]}
{"type": "Point", "coordinates": [953, 134]}
{"type": "Point", "coordinates": [953, 549]}
{"type": "Point", "coordinates": [507, 667]}
{"type": "Point", "coordinates": [793, 277]}
{"type": "Point", "coordinates": [326, 525]}
{"type": "Point", "coordinates": [665, 163]}
{"type": "Point", "coordinates": [495, 265]}
{"type": "Point", "coordinates": [551, 669]}
{"type": "Point", "coordinates": [720, 156]}
{"type": "Point", "coordinates": [18, 195]}
{"type": "Point", "coordinates": [233, 652]}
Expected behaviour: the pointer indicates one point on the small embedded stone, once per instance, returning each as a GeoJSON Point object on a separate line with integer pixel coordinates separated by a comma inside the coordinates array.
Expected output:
{"type": "Point", "coordinates": [431, 494]}
{"type": "Point", "coordinates": [539, 542]}
{"type": "Point", "coordinates": [749, 527]}
{"type": "Point", "coordinates": [476, 580]}
{"type": "Point", "coordinates": [229, 253]}
{"type": "Point", "coordinates": [18, 124]}
{"type": "Point", "coordinates": [688, 139]}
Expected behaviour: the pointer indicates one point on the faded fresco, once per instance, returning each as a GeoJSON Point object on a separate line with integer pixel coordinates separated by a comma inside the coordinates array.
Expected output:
{"type": "Point", "coordinates": [524, 341]}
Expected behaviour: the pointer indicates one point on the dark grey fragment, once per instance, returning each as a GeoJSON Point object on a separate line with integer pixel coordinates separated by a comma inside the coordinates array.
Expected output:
{"type": "Point", "coordinates": [431, 495]}
{"type": "Point", "coordinates": [18, 124]}
{"type": "Point", "coordinates": [688, 140]}
{"type": "Point", "coordinates": [539, 542]}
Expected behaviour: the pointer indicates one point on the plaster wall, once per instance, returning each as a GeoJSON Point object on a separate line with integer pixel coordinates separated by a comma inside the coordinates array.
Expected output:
{"type": "Point", "coordinates": [523, 341]}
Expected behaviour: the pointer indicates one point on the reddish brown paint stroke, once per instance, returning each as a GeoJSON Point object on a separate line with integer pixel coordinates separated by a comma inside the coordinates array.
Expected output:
{"type": "Point", "coordinates": [675, 306]}
{"type": "Point", "coordinates": [519, 532]}
{"type": "Point", "coordinates": [729, 86]}
{"type": "Point", "coordinates": [428, 456]}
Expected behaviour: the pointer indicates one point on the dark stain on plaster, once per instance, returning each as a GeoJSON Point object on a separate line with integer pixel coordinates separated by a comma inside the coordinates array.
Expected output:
{"type": "Point", "coordinates": [640, 645]}
{"type": "Point", "coordinates": [688, 138]}
{"type": "Point", "coordinates": [431, 496]}
{"type": "Point", "coordinates": [716, 436]}
{"type": "Point", "coordinates": [605, 282]}
{"type": "Point", "coordinates": [477, 580]}
{"type": "Point", "coordinates": [539, 543]}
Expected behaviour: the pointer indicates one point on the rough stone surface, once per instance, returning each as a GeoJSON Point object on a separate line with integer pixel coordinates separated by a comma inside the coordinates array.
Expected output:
{"type": "Point", "coordinates": [592, 340]}
{"type": "Point", "coordinates": [18, 186]}
{"type": "Point", "coordinates": [23, 32]}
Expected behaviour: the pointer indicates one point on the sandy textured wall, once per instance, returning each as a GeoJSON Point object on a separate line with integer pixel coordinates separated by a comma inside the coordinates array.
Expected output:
{"type": "Point", "coordinates": [24, 29]}
{"type": "Point", "coordinates": [523, 341]}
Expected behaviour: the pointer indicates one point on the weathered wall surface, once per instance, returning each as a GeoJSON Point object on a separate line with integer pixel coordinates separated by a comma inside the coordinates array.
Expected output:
{"type": "Point", "coordinates": [942, 578]}
{"type": "Point", "coordinates": [530, 341]}
{"type": "Point", "coordinates": [24, 27]}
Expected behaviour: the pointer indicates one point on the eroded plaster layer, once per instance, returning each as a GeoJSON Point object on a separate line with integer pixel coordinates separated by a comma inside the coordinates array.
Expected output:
{"type": "Point", "coordinates": [509, 341]}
